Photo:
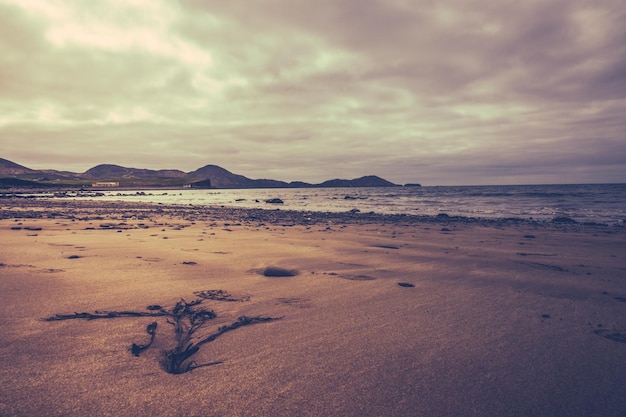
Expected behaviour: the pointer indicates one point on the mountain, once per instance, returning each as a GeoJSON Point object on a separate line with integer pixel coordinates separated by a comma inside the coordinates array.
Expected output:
{"type": "Point", "coordinates": [220, 177]}
{"type": "Point", "coordinates": [7, 183]}
{"type": "Point", "coordinates": [208, 176]}
{"type": "Point", "coordinates": [367, 181]}
{"type": "Point", "coordinates": [9, 169]}
{"type": "Point", "coordinates": [107, 171]}
{"type": "Point", "coordinates": [52, 174]}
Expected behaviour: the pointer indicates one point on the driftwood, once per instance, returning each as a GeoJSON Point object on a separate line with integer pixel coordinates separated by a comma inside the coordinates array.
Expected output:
{"type": "Point", "coordinates": [187, 318]}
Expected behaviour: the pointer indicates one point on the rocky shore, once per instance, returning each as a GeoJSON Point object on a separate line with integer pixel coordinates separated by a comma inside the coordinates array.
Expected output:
{"type": "Point", "coordinates": [11, 207]}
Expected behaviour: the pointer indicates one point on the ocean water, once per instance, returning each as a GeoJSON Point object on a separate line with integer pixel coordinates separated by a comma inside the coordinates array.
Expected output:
{"type": "Point", "coordinates": [596, 203]}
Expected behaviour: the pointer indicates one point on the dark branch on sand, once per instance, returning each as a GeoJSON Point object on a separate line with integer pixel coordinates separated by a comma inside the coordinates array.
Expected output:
{"type": "Point", "coordinates": [187, 318]}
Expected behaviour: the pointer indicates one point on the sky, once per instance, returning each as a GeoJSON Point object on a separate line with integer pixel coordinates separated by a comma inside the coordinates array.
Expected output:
{"type": "Point", "coordinates": [450, 92]}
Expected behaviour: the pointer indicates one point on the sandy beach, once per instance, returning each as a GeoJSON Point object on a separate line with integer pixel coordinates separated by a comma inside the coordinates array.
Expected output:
{"type": "Point", "coordinates": [379, 316]}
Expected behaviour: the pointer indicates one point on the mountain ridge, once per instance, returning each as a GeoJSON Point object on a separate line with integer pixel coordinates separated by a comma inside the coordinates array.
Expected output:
{"type": "Point", "coordinates": [214, 175]}
{"type": "Point", "coordinates": [118, 171]}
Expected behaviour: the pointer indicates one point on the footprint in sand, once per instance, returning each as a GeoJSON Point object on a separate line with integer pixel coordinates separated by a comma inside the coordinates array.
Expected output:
{"type": "Point", "coordinates": [351, 277]}
{"type": "Point", "coordinates": [613, 335]}
{"type": "Point", "coordinates": [3, 265]}
{"type": "Point", "coordinates": [385, 246]}
{"type": "Point", "coordinates": [296, 302]}
{"type": "Point", "coordinates": [618, 298]}
{"type": "Point", "coordinates": [152, 259]}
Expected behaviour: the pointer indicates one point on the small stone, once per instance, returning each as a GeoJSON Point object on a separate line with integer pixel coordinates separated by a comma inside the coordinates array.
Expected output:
{"type": "Point", "coordinates": [277, 271]}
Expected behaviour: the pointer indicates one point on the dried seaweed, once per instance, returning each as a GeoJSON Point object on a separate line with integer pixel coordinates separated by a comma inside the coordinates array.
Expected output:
{"type": "Point", "coordinates": [105, 315]}
{"type": "Point", "coordinates": [151, 330]}
{"type": "Point", "coordinates": [187, 318]}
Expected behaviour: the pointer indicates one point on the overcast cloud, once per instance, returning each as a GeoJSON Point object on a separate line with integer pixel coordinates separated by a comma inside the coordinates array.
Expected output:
{"type": "Point", "coordinates": [436, 92]}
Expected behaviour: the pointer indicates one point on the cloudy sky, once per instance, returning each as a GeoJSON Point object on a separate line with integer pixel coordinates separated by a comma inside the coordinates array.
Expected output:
{"type": "Point", "coordinates": [436, 92]}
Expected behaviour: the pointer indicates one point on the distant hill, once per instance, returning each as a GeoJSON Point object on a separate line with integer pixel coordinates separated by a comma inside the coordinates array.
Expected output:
{"type": "Point", "coordinates": [209, 175]}
{"type": "Point", "coordinates": [51, 174]}
{"type": "Point", "coordinates": [367, 181]}
{"type": "Point", "coordinates": [220, 177]}
{"type": "Point", "coordinates": [8, 168]}
{"type": "Point", "coordinates": [107, 171]}
{"type": "Point", "coordinates": [7, 183]}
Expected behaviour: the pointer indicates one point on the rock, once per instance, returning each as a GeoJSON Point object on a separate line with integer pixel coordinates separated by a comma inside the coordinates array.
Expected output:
{"type": "Point", "coordinates": [277, 271]}
{"type": "Point", "coordinates": [274, 201]}
{"type": "Point", "coordinates": [564, 220]}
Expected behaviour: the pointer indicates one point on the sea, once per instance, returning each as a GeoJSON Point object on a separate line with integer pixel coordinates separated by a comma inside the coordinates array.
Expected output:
{"type": "Point", "coordinates": [583, 203]}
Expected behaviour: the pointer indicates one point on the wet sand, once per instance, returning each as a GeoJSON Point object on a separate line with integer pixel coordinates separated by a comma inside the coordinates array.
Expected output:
{"type": "Point", "coordinates": [383, 316]}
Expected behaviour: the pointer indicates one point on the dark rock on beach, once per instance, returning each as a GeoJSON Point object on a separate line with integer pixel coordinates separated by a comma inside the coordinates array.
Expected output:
{"type": "Point", "coordinates": [277, 271]}
{"type": "Point", "coordinates": [564, 220]}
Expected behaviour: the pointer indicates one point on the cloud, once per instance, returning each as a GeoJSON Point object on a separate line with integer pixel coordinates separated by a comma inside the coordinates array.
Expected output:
{"type": "Point", "coordinates": [438, 92]}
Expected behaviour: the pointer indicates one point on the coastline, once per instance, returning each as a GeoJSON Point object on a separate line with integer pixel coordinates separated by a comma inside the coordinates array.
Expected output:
{"type": "Point", "coordinates": [501, 317]}
{"type": "Point", "coordinates": [47, 207]}
{"type": "Point", "coordinates": [593, 204]}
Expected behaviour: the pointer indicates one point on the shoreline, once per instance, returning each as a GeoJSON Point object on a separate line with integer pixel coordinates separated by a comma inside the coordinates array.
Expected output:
{"type": "Point", "coordinates": [598, 205]}
{"type": "Point", "coordinates": [32, 207]}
